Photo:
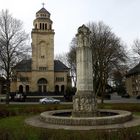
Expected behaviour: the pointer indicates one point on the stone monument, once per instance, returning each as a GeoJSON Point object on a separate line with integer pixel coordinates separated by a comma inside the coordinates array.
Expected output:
{"type": "Point", "coordinates": [83, 102]}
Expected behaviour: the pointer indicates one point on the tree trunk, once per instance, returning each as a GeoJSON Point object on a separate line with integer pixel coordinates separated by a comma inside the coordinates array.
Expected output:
{"type": "Point", "coordinates": [7, 91]}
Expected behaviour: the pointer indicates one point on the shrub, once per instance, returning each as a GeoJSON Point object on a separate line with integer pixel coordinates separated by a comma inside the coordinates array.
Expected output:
{"type": "Point", "coordinates": [70, 91]}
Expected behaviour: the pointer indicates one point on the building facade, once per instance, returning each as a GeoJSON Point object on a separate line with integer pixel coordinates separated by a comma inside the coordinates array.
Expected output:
{"type": "Point", "coordinates": [41, 73]}
{"type": "Point", "coordinates": [133, 81]}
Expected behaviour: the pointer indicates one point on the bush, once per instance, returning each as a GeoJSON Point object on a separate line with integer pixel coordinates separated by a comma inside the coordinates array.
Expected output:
{"type": "Point", "coordinates": [70, 92]}
{"type": "Point", "coordinates": [14, 110]}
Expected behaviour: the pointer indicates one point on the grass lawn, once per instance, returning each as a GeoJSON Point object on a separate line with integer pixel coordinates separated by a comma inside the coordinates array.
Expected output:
{"type": "Point", "coordinates": [12, 126]}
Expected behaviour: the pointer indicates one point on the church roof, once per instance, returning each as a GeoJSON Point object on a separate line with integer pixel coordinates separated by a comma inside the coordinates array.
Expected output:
{"type": "Point", "coordinates": [26, 66]}
{"type": "Point", "coordinates": [134, 71]}
{"type": "Point", "coordinates": [59, 66]}
{"type": "Point", "coordinates": [43, 10]}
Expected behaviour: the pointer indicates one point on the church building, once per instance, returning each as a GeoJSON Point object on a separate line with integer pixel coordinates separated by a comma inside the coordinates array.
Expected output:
{"type": "Point", "coordinates": [41, 73]}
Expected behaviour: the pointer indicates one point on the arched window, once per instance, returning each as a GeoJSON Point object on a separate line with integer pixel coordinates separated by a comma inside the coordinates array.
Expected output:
{"type": "Point", "coordinates": [46, 26]}
{"type": "Point", "coordinates": [42, 85]}
{"type": "Point", "coordinates": [50, 27]}
{"type": "Point", "coordinates": [20, 89]}
{"type": "Point", "coordinates": [43, 26]}
{"type": "Point", "coordinates": [35, 26]}
{"type": "Point", "coordinates": [42, 81]}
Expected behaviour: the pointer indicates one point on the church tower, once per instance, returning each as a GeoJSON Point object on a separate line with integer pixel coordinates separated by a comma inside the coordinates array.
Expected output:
{"type": "Point", "coordinates": [41, 73]}
{"type": "Point", "coordinates": [42, 42]}
{"type": "Point", "coordinates": [43, 50]}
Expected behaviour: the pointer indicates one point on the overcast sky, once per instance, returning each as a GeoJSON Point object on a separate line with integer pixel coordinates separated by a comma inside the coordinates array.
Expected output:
{"type": "Point", "coordinates": [123, 16]}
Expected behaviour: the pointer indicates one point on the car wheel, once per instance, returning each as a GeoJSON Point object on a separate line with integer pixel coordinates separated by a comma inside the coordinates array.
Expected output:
{"type": "Point", "coordinates": [43, 102]}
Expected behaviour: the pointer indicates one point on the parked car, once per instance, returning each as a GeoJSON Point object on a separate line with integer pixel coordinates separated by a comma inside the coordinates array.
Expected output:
{"type": "Point", "coordinates": [49, 100]}
{"type": "Point", "coordinates": [18, 97]}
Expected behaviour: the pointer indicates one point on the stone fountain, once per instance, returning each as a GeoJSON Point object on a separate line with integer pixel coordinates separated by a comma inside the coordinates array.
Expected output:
{"type": "Point", "coordinates": [85, 114]}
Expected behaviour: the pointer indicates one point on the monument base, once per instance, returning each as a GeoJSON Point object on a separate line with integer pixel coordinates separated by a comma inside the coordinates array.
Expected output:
{"type": "Point", "coordinates": [84, 105]}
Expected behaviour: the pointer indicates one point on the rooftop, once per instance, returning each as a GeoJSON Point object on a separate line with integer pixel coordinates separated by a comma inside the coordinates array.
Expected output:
{"type": "Point", "coordinates": [26, 66]}
{"type": "Point", "coordinates": [134, 71]}
{"type": "Point", "coordinates": [43, 10]}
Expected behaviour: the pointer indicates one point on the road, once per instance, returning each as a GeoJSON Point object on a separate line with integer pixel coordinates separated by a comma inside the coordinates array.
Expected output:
{"type": "Point", "coordinates": [121, 100]}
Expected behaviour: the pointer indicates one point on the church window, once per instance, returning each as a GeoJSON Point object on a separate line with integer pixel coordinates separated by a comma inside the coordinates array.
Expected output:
{"type": "Point", "coordinates": [59, 79]}
{"type": "Point", "coordinates": [43, 26]}
{"type": "Point", "coordinates": [42, 81]}
{"type": "Point", "coordinates": [24, 79]}
{"type": "Point", "coordinates": [42, 85]}
{"type": "Point", "coordinates": [42, 68]}
{"type": "Point", "coordinates": [35, 26]}
{"type": "Point", "coordinates": [40, 88]}
{"type": "Point", "coordinates": [46, 26]}
{"type": "Point", "coordinates": [44, 88]}
{"type": "Point", "coordinates": [42, 56]}
{"type": "Point", "coordinates": [40, 26]}
{"type": "Point", "coordinates": [50, 27]}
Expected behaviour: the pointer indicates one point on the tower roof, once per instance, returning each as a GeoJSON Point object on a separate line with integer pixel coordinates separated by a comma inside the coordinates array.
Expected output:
{"type": "Point", "coordinates": [43, 10]}
{"type": "Point", "coordinates": [43, 13]}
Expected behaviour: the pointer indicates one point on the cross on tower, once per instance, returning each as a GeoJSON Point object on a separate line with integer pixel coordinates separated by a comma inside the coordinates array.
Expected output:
{"type": "Point", "coordinates": [43, 4]}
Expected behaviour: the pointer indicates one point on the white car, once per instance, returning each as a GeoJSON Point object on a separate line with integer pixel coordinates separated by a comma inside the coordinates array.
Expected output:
{"type": "Point", "coordinates": [49, 100]}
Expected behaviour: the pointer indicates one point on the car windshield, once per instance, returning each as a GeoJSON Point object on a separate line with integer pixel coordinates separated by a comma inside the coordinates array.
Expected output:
{"type": "Point", "coordinates": [49, 98]}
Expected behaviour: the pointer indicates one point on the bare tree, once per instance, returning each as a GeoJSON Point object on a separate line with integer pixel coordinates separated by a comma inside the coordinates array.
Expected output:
{"type": "Point", "coordinates": [107, 53]}
{"type": "Point", "coordinates": [12, 45]}
{"type": "Point", "coordinates": [71, 58]}
{"type": "Point", "coordinates": [136, 46]}
{"type": "Point", "coordinates": [118, 77]}
{"type": "Point", "coordinates": [63, 58]}
{"type": "Point", "coordinates": [134, 53]}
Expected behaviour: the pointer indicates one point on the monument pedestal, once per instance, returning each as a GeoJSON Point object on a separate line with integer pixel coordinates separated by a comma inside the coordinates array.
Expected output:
{"type": "Point", "coordinates": [84, 104]}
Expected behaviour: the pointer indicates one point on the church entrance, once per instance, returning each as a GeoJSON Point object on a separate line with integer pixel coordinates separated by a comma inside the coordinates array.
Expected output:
{"type": "Point", "coordinates": [42, 85]}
